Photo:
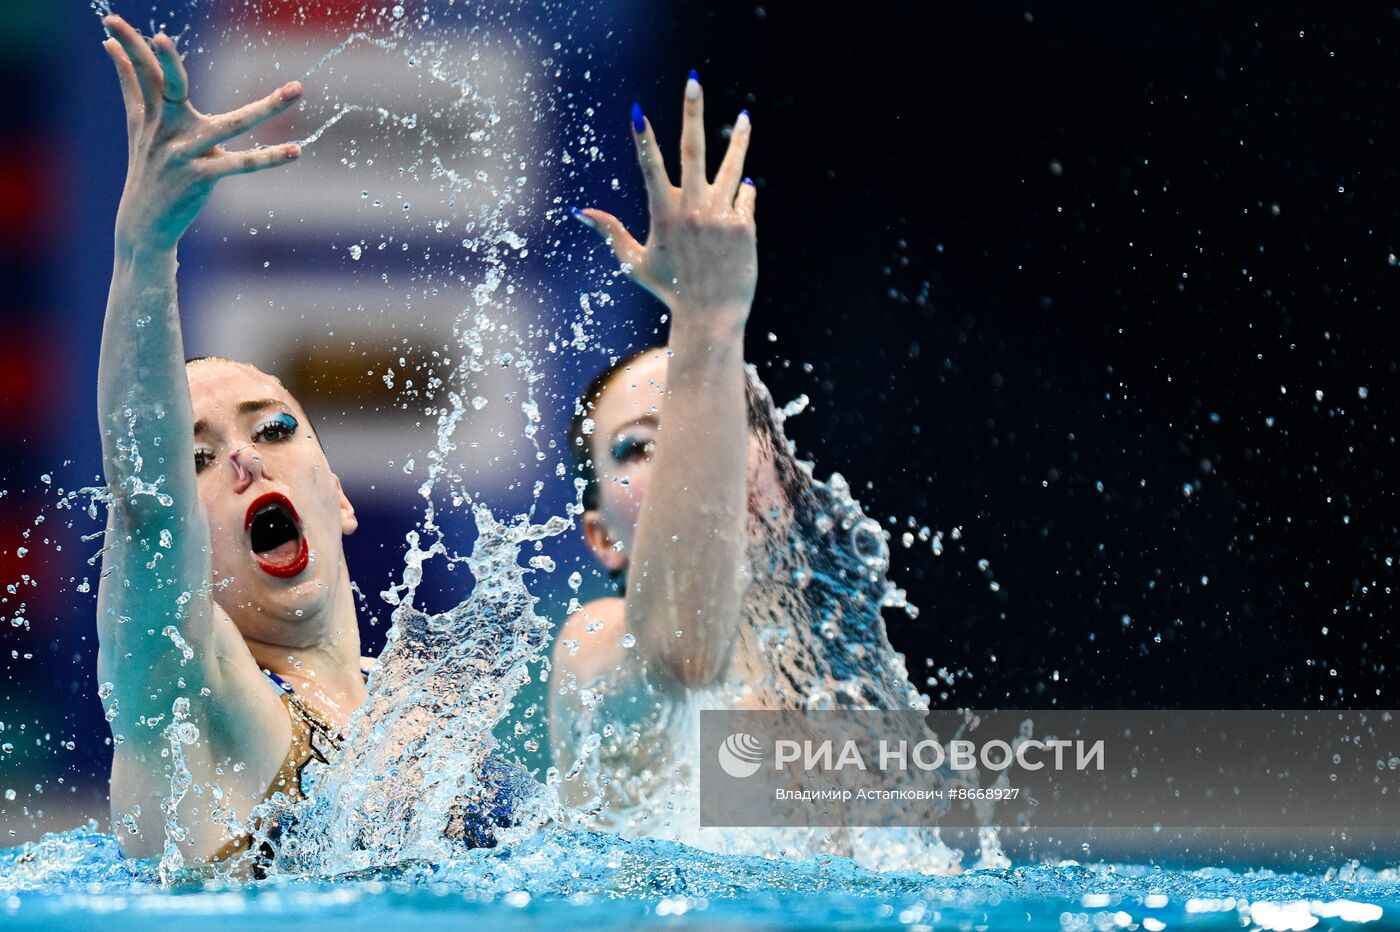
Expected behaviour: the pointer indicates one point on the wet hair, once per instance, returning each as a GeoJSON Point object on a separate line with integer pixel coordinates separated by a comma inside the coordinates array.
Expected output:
{"type": "Point", "coordinates": [582, 449]}
{"type": "Point", "coordinates": [579, 444]}
{"type": "Point", "coordinates": [759, 417]}
{"type": "Point", "coordinates": [211, 358]}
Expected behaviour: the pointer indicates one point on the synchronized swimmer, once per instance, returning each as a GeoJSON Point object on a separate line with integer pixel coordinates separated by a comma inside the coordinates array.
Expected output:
{"type": "Point", "coordinates": [240, 552]}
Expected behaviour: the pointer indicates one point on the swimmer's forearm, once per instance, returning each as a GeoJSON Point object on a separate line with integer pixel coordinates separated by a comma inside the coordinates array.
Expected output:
{"type": "Point", "coordinates": [686, 573]}
{"type": "Point", "coordinates": [144, 413]}
{"type": "Point", "coordinates": [142, 394]}
{"type": "Point", "coordinates": [689, 564]}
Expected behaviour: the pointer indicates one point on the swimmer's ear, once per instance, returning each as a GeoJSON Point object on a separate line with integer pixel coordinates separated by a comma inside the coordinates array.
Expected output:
{"type": "Point", "coordinates": [348, 521]}
{"type": "Point", "coordinates": [595, 534]}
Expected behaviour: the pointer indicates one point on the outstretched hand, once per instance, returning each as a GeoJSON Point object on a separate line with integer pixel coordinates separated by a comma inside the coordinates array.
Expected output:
{"type": "Point", "coordinates": [701, 252]}
{"type": "Point", "coordinates": [175, 153]}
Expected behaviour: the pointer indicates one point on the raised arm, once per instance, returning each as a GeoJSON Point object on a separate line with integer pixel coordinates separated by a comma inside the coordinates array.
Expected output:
{"type": "Point", "coordinates": [687, 572]}
{"type": "Point", "coordinates": [154, 600]}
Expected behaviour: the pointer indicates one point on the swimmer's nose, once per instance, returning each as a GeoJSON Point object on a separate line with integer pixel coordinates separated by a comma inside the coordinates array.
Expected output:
{"type": "Point", "coordinates": [243, 474]}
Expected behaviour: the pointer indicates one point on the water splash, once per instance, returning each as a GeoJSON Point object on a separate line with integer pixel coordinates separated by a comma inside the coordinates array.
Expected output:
{"type": "Point", "coordinates": [350, 40]}
{"type": "Point", "coordinates": [417, 756]}
{"type": "Point", "coordinates": [340, 114]}
{"type": "Point", "coordinates": [180, 733]}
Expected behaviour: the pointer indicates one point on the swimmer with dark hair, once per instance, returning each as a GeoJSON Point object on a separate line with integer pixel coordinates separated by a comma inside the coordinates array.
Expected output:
{"type": "Point", "coordinates": [732, 587]}
{"type": "Point", "coordinates": [661, 438]}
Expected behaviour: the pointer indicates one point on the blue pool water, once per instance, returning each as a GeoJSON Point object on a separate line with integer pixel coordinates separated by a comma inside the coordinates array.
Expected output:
{"type": "Point", "coordinates": [78, 880]}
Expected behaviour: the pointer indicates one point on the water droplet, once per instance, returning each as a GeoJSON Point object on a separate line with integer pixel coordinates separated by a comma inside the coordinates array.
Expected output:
{"type": "Point", "coordinates": [186, 652]}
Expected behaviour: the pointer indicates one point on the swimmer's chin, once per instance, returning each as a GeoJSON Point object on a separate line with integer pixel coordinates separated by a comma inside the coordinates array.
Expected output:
{"type": "Point", "coordinates": [298, 600]}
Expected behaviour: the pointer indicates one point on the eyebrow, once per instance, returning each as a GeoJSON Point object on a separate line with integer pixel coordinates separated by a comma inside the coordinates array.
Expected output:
{"type": "Point", "coordinates": [244, 407]}
{"type": "Point", "coordinates": [649, 419]}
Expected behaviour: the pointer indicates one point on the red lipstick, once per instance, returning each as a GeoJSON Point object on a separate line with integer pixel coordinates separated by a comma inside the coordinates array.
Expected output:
{"type": "Point", "coordinates": [299, 562]}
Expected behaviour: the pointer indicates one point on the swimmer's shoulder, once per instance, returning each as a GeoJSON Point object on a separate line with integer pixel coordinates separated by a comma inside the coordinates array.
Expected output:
{"type": "Point", "coordinates": [598, 630]}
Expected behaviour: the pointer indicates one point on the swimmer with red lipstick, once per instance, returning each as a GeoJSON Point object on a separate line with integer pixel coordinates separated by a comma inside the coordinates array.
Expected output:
{"type": "Point", "coordinates": [225, 600]}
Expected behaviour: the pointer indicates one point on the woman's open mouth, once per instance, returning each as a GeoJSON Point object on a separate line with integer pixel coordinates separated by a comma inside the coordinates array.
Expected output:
{"type": "Point", "coordinates": [274, 535]}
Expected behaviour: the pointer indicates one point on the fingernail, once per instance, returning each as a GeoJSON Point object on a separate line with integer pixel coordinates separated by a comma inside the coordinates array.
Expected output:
{"type": "Point", "coordinates": [692, 86]}
{"type": "Point", "coordinates": [293, 151]}
{"type": "Point", "coordinates": [639, 120]}
{"type": "Point", "coordinates": [694, 76]}
{"type": "Point", "coordinates": [291, 90]}
{"type": "Point", "coordinates": [747, 181]}
{"type": "Point", "coordinates": [744, 118]}
{"type": "Point", "coordinates": [580, 216]}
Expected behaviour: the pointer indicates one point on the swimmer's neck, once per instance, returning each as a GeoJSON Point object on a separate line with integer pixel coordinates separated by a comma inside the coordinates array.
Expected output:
{"type": "Point", "coordinates": [327, 670]}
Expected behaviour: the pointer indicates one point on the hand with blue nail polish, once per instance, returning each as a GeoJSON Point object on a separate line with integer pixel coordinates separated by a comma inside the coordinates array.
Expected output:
{"type": "Point", "coordinates": [700, 257]}
{"type": "Point", "coordinates": [685, 548]}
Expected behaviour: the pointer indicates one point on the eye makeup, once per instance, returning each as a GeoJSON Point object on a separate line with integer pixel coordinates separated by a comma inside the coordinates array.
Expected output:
{"type": "Point", "coordinates": [279, 426]}
{"type": "Point", "coordinates": [630, 447]}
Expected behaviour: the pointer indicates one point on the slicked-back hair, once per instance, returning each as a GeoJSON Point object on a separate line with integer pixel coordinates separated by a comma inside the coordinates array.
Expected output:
{"type": "Point", "coordinates": [212, 358]}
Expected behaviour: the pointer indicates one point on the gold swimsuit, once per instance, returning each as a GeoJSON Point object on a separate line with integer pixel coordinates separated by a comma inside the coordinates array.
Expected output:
{"type": "Point", "coordinates": [314, 738]}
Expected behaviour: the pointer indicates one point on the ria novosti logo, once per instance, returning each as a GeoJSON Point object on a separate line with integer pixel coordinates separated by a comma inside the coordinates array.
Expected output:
{"type": "Point", "coordinates": [741, 755]}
